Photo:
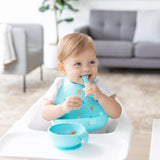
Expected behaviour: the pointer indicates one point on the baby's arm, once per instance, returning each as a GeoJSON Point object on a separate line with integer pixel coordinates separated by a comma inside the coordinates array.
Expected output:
{"type": "Point", "coordinates": [50, 111]}
{"type": "Point", "coordinates": [109, 104]}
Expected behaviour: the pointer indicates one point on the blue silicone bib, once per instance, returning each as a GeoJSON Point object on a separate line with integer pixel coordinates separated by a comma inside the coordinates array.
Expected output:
{"type": "Point", "coordinates": [91, 114]}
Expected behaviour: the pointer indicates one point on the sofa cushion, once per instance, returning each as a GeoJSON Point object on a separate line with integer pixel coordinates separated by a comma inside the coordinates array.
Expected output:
{"type": "Point", "coordinates": [147, 50]}
{"type": "Point", "coordinates": [112, 25]}
{"type": "Point", "coordinates": [148, 27]}
{"type": "Point", "coordinates": [114, 48]}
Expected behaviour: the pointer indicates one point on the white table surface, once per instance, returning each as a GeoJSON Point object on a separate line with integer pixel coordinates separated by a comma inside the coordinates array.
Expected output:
{"type": "Point", "coordinates": [37, 146]}
{"type": "Point", "coordinates": [155, 141]}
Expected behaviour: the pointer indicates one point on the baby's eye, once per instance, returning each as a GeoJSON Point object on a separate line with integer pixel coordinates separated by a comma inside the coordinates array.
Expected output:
{"type": "Point", "coordinates": [92, 62]}
{"type": "Point", "coordinates": [77, 64]}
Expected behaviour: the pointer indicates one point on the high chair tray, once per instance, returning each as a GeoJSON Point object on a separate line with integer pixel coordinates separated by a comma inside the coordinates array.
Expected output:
{"type": "Point", "coordinates": [28, 138]}
{"type": "Point", "coordinates": [37, 145]}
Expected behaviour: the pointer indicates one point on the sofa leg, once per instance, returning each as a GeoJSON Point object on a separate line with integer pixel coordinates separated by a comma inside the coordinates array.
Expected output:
{"type": "Point", "coordinates": [24, 83]}
{"type": "Point", "coordinates": [41, 73]}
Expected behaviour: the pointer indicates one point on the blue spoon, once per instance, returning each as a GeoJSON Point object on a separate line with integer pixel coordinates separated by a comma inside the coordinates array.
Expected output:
{"type": "Point", "coordinates": [86, 81]}
{"type": "Point", "coordinates": [85, 78]}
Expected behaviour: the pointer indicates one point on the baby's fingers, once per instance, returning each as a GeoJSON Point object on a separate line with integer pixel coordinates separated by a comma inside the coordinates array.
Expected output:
{"type": "Point", "coordinates": [87, 93]}
{"type": "Point", "coordinates": [74, 105]}
{"type": "Point", "coordinates": [75, 99]}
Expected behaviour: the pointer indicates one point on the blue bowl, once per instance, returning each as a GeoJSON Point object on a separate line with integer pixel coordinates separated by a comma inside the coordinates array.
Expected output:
{"type": "Point", "coordinates": [68, 136]}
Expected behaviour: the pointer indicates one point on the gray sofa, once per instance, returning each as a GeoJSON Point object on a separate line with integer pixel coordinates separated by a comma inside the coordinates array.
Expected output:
{"type": "Point", "coordinates": [28, 44]}
{"type": "Point", "coordinates": [113, 32]}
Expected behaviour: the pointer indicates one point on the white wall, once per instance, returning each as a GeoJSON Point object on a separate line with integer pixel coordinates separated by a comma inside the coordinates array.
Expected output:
{"type": "Point", "coordinates": [26, 11]}
{"type": "Point", "coordinates": [82, 17]}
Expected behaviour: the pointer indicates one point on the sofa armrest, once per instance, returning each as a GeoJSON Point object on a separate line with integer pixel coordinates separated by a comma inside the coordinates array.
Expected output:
{"type": "Point", "coordinates": [83, 29]}
{"type": "Point", "coordinates": [27, 39]}
{"type": "Point", "coordinates": [34, 34]}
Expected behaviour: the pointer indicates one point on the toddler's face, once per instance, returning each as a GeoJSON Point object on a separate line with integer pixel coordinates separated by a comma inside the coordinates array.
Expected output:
{"type": "Point", "coordinates": [83, 64]}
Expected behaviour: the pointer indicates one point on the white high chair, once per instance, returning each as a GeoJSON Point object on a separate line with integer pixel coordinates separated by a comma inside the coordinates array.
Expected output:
{"type": "Point", "coordinates": [28, 138]}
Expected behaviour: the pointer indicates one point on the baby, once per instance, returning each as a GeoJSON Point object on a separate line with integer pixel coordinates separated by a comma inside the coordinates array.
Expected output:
{"type": "Point", "coordinates": [76, 58]}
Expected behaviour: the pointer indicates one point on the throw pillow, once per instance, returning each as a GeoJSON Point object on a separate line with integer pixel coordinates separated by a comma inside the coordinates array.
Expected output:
{"type": "Point", "coordinates": [147, 27]}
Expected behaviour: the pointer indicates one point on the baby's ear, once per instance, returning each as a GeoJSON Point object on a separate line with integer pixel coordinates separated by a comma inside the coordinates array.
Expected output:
{"type": "Point", "coordinates": [61, 67]}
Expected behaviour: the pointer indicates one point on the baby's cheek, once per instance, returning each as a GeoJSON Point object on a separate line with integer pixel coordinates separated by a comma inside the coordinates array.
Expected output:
{"type": "Point", "coordinates": [74, 69]}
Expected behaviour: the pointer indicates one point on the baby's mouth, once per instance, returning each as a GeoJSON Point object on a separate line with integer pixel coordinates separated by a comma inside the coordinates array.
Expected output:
{"type": "Point", "coordinates": [89, 76]}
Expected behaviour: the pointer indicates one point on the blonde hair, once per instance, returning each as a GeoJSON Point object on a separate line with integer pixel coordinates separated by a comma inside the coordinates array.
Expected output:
{"type": "Point", "coordinates": [74, 44]}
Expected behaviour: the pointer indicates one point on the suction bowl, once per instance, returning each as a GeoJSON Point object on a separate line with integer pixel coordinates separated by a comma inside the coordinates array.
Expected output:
{"type": "Point", "coordinates": [68, 136]}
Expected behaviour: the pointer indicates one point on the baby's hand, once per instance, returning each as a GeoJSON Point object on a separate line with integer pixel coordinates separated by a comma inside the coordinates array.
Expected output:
{"type": "Point", "coordinates": [92, 89]}
{"type": "Point", "coordinates": [72, 103]}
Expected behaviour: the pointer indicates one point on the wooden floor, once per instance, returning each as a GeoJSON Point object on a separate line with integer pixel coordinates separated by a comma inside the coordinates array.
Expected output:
{"type": "Point", "coordinates": [140, 147]}
{"type": "Point", "coordinates": [139, 150]}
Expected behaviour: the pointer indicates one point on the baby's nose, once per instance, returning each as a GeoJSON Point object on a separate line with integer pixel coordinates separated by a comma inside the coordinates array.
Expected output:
{"type": "Point", "coordinates": [86, 69]}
